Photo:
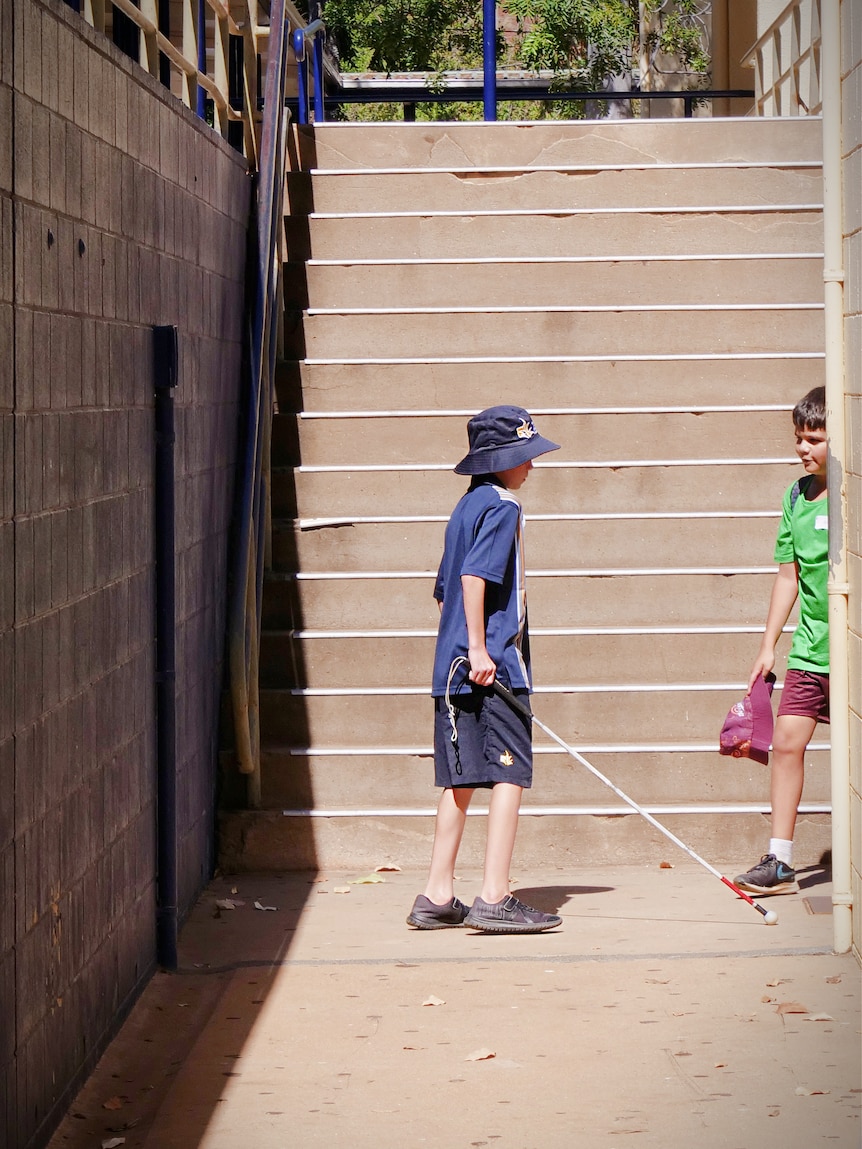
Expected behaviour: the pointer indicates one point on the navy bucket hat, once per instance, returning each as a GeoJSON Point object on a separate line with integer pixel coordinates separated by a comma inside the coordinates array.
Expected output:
{"type": "Point", "coordinates": [501, 438]}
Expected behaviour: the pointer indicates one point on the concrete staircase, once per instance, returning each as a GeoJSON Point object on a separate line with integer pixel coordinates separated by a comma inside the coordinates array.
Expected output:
{"type": "Point", "coordinates": [652, 292]}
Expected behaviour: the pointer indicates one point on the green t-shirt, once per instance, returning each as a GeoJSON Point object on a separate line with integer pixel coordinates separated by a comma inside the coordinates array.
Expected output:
{"type": "Point", "coordinates": [803, 538]}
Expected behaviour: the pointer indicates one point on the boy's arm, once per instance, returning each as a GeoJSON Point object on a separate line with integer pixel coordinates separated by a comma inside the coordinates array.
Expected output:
{"type": "Point", "coordinates": [482, 668]}
{"type": "Point", "coordinates": [784, 592]}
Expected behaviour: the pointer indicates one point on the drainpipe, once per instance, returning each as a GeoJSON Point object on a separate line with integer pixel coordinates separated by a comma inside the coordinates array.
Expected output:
{"type": "Point", "coordinates": [165, 371]}
{"type": "Point", "coordinates": [838, 584]}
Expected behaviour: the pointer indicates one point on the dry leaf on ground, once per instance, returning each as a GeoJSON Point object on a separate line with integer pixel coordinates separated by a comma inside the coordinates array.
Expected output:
{"type": "Point", "coordinates": [665, 865]}
{"type": "Point", "coordinates": [778, 981]}
{"type": "Point", "coordinates": [228, 903]}
{"type": "Point", "coordinates": [259, 906]}
{"type": "Point", "coordinates": [836, 980]}
{"type": "Point", "coordinates": [804, 1091]}
{"type": "Point", "coordinates": [790, 1007]}
{"type": "Point", "coordinates": [341, 890]}
{"type": "Point", "coordinates": [113, 1142]}
{"type": "Point", "coordinates": [819, 1017]}
{"type": "Point", "coordinates": [387, 868]}
{"type": "Point", "coordinates": [432, 1000]}
{"type": "Point", "coordinates": [113, 1103]}
{"type": "Point", "coordinates": [481, 1055]}
{"type": "Point", "coordinates": [368, 880]}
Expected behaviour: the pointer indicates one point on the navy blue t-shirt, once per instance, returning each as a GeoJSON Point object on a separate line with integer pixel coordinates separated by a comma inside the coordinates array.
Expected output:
{"type": "Point", "coordinates": [484, 537]}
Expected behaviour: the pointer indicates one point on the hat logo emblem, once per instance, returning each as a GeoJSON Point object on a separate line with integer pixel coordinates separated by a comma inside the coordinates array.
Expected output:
{"type": "Point", "coordinates": [526, 430]}
{"type": "Point", "coordinates": [506, 758]}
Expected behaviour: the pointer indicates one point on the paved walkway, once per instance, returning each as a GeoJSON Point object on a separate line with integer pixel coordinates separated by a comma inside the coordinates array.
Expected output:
{"type": "Point", "coordinates": [664, 1013]}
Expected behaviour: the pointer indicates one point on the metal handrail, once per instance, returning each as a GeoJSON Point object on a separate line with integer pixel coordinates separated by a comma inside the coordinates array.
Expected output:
{"type": "Point", "coordinates": [253, 515]}
{"type": "Point", "coordinates": [316, 33]}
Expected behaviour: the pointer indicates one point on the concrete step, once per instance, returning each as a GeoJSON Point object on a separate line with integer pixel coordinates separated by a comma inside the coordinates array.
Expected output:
{"type": "Point", "coordinates": [267, 840]}
{"type": "Point", "coordinates": [601, 542]}
{"type": "Point", "coordinates": [552, 331]}
{"type": "Point", "coordinates": [630, 717]}
{"type": "Point", "coordinates": [605, 381]}
{"type": "Point", "coordinates": [406, 781]}
{"type": "Point", "coordinates": [601, 436]}
{"type": "Point", "coordinates": [531, 283]}
{"type": "Point", "coordinates": [577, 186]}
{"type": "Point", "coordinates": [387, 660]}
{"type": "Point", "coordinates": [547, 231]}
{"type": "Point", "coordinates": [448, 145]}
{"type": "Point", "coordinates": [602, 600]}
{"type": "Point", "coordinates": [752, 485]}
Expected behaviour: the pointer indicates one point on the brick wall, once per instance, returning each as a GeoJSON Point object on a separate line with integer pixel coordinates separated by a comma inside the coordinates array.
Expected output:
{"type": "Point", "coordinates": [118, 210]}
{"type": "Point", "coordinates": [851, 71]}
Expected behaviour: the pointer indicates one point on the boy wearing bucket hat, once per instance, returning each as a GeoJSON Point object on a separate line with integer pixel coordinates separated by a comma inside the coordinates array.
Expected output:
{"type": "Point", "coordinates": [479, 741]}
{"type": "Point", "coordinates": [802, 552]}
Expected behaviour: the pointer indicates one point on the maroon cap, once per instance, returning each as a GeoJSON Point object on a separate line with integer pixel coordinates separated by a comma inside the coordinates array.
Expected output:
{"type": "Point", "coordinates": [747, 730]}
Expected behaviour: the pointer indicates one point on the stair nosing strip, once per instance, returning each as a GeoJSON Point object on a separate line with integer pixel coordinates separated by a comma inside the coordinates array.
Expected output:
{"type": "Point", "coordinates": [575, 464]}
{"type": "Point", "coordinates": [659, 209]}
{"type": "Point", "coordinates": [569, 309]}
{"type": "Point", "coordinates": [544, 632]}
{"type": "Point", "coordinates": [515, 169]}
{"type": "Point", "coordinates": [564, 259]}
{"type": "Point", "coordinates": [655, 357]}
{"type": "Point", "coordinates": [562, 572]}
{"type": "Point", "coordinates": [527, 811]}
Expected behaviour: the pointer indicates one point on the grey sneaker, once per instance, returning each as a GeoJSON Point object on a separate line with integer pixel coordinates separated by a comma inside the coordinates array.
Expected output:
{"type": "Point", "coordinates": [769, 876]}
{"type": "Point", "coordinates": [509, 917]}
{"type": "Point", "coordinates": [427, 915]}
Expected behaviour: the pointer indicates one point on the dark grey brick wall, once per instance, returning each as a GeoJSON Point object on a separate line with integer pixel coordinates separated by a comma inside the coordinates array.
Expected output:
{"type": "Point", "coordinates": [118, 210]}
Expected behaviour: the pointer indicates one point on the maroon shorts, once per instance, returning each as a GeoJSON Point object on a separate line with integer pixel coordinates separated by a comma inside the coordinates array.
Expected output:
{"type": "Point", "coordinates": [805, 693]}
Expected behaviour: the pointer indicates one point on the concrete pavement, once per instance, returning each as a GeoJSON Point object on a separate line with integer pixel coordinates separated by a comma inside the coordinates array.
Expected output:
{"type": "Point", "coordinates": [664, 1013]}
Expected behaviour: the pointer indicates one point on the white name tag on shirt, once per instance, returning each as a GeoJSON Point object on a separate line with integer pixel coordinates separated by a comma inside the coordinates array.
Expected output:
{"type": "Point", "coordinates": [821, 523]}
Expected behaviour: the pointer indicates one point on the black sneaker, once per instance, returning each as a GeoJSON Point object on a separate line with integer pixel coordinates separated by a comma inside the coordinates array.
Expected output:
{"type": "Point", "coordinates": [427, 915]}
{"type": "Point", "coordinates": [769, 876]}
{"type": "Point", "coordinates": [509, 917]}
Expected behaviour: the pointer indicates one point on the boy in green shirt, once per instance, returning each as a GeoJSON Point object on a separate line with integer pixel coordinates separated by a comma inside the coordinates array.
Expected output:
{"type": "Point", "coordinates": [802, 551]}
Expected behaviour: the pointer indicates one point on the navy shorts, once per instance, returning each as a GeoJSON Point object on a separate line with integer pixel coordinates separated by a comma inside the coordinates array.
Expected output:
{"type": "Point", "coordinates": [805, 693]}
{"type": "Point", "coordinates": [494, 742]}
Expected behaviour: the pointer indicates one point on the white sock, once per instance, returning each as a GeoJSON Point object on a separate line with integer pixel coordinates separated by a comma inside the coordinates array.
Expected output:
{"type": "Point", "coordinates": [782, 849]}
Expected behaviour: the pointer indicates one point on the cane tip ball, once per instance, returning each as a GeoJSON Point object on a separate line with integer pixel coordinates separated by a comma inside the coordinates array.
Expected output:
{"type": "Point", "coordinates": [770, 918]}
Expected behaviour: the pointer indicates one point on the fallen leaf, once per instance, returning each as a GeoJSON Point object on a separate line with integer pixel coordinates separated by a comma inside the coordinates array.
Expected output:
{"type": "Point", "coordinates": [720, 1065]}
{"type": "Point", "coordinates": [836, 980]}
{"type": "Point", "coordinates": [432, 1000]}
{"type": "Point", "coordinates": [341, 890]}
{"type": "Point", "coordinates": [228, 903]}
{"type": "Point", "coordinates": [665, 865]}
{"type": "Point", "coordinates": [819, 1017]}
{"type": "Point", "coordinates": [790, 1007]}
{"type": "Point", "coordinates": [412, 1046]}
{"type": "Point", "coordinates": [258, 906]}
{"type": "Point", "coordinates": [481, 1055]}
{"type": "Point", "coordinates": [387, 868]}
{"type": "Point", "coordinates": [113, 1103]}
{"type": "Point", "coordinates": [780, 981]}
{"type": "Point", "coordinates": [368, 880]}
{"type": "Point", "coordinates": [804, 1091]}
{"type": "Point", "coordinates": [234, 890]}
{"type": "Point", "coordinates": [113, 1142]}
{"type": "Point", "coordinates": [766, 999]}
{"type": "Point", "coordinates": [657, 981]}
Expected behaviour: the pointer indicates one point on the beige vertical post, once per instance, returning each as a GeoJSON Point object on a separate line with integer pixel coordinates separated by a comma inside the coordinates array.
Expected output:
{"type": "Point", "coordinates": [189, 93]}
{"type": "Point", "coordinates": [838, 584]}
{"type": "Point", "coordinates": [221, 47]}
{"type": "Point", "coordinates": [149, 54]}
{"type": "Point", "coordinates": [94, 14]}
{"type": "Point", "coordinates": [720, 55]}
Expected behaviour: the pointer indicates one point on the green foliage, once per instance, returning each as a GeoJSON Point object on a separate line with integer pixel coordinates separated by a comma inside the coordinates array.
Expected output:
{"type": "Point", "coordinates": [586, 41]}
{"type": "Point", "coordinates": [404, 35]}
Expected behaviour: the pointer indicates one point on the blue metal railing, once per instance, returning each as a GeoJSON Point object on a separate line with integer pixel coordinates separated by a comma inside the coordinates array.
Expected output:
{"type": "Point", "coordinates": [315, 32]}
